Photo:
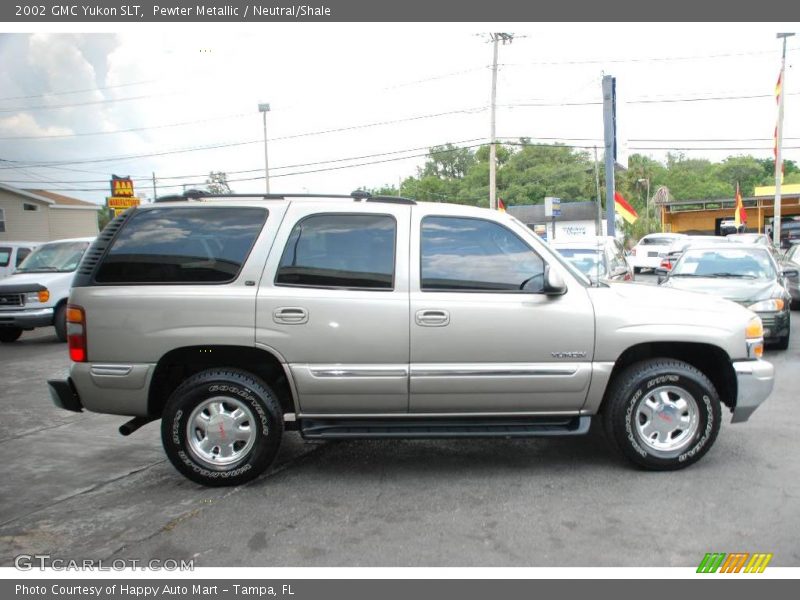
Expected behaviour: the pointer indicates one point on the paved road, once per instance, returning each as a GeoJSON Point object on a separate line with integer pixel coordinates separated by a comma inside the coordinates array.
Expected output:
{"type": "Point", "coordinates": [72, 487]}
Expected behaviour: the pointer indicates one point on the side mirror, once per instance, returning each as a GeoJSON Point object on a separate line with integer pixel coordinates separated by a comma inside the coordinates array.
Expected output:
{"type": "Point", "coordinates": [790, 272]}
{"type": "Point", "coordinates": [554, 284]}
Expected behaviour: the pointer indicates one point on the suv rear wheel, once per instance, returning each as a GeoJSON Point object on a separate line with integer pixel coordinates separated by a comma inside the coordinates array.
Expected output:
{"type": "Point", "coordinates": [662, 414]}
{"type": "Point", "coordinates": [222, 427]}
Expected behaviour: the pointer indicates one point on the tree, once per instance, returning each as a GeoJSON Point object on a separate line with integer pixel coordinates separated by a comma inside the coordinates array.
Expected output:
{"type": "Point", "coordinates": [217, 183]}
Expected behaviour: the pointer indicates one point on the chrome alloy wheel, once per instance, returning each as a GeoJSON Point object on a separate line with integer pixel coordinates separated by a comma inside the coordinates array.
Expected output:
{"type": "Point", "coordinates": [221, 431]}
{"type": "Point", "coordinates": [666, 420]}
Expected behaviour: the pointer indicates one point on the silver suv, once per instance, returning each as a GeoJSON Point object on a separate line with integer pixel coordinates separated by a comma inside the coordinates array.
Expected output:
{"type": "Point", "coordinates": [233, 319]}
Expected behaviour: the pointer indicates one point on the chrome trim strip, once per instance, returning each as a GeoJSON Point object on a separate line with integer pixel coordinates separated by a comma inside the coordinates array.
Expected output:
{"type": "Point", "coordinates": [338, 372]}
{"type": "Point", "coordinates": [112, 370]}
{"type": "Point", "coordinates": [537, 370]}
{"type": "Point", "coordinates": [405, 415]}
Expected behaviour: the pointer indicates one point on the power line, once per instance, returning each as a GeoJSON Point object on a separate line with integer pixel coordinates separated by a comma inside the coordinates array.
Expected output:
{"type": "Point", "coordinates": [83, 91]}
{"type": "Point", "coordinates": [247, 142]}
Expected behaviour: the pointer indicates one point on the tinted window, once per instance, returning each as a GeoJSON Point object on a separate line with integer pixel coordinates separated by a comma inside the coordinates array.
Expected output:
{"type": "Point", "coordinates": [656, 241]}
{"type": "Point", "coordinates": [183, 245]}
{"type": "Point", "coordinates": [474, 254]}
{"type": "Point", "coordinates": [5, 256]}
{"type": "Point", "coordinates": [22, 254]}
{"type": "Point", "coordinates": [588, 260]}
{"type": "Point", "coordinates": [343, 251]}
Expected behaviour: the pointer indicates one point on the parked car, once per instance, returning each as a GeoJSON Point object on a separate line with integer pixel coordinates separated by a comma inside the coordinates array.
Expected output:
{"type": "Point", "coordinates": [679, 246]}
{"type": "Point", "coordinates": [233, 319]}
{"type": "Point", "coordinates": [760, 239]}
{"type": "Point", "coordinates": [646, 254]}
{"type": "Point", "coordinates": [728, 226]}
{"type": "Point", "coordinates": [599, 258]}
{"type": "Point", "coordinates": [790, 232]}
{"type": "Point", "coordinates": [12, 254]}
{"type": "Point", "coordinates": [747, 275]}
{"type": "Point", "coordinates": [36, 294]}
{"type": "Point", "coordinates": [791, 262]}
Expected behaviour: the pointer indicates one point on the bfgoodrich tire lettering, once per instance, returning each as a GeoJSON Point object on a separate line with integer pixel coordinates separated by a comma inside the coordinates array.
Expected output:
{"type": "Point", "coordinates": [662, 414]}
{"type": "Point", "coordinates": [229, 396]}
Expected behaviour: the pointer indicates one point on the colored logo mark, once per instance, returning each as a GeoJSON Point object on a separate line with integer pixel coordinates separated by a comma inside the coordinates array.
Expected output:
{"type": "Point", "coordinates": [736, 562]}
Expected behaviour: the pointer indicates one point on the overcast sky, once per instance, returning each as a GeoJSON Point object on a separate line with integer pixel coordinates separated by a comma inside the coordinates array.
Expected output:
{"type": "Point", "coordinates": [66, 97]}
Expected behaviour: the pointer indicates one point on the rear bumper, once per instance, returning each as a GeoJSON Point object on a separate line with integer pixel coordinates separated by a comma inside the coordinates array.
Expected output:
{"type": "Point", "coordinates": [64, 394]}
{"type": "Point", "coordinates": [755, 379]}
{"type": "Point", "coordinates": [26, 319]}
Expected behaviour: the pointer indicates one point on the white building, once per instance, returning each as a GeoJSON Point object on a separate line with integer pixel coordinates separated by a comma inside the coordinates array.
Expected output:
{"type": "Point", "coordinates": [40, 216]}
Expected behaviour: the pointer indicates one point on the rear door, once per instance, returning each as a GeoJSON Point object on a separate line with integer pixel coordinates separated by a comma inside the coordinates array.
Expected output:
{"type": "Point", "coordinates": [333, 303]}
{"type": "Point", "coordinates": [484, 338]}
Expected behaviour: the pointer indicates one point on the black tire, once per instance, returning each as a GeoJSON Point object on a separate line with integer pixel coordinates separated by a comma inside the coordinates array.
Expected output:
{"type": "Point", "coordinates": [782, 343]}
{"type": "Point", "coordinates": [624, 423]}
{"type": "Point", "coordinates": [9, 334]}
{"type": "Point", "coordinates": [60, 322]}
{"type": "Point", "coordinates": [236, 388]}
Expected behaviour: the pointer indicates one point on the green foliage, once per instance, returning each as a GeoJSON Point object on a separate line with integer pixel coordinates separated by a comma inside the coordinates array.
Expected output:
{"type": "Point", "coordinates": [217, 183]}
{"type": "Point", "coordinates": [527, 172]}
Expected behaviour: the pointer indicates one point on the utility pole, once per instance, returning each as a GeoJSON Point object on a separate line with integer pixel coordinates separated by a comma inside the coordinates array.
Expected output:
{"type": "Point", "coordinates": [776, 221]}
{"type": "Point", "coordinates": [155, 194]}
{"type": "Point", "coordinates": [264, 109]}
{"type": "Point", "coordinates": [496, 38]}
{"type": "Point", "coordinates": [610, 136]}
{"type": "Point", "coordinates": [599, 223]}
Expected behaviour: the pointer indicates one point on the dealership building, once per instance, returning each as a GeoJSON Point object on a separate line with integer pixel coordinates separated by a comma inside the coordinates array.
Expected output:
{"type": "Point", "coordinates": [41, 216]}
{"type": "Point", "coordinates": [705, 216]}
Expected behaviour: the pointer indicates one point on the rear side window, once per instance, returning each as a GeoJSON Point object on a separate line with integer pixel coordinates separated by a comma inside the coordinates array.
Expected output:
{"type": "Point", "coordinates": [340, 251]}
{"type": "Point", "coordinates": [182, 245]}
{"type": "Point", "coordinates": [5, 256]}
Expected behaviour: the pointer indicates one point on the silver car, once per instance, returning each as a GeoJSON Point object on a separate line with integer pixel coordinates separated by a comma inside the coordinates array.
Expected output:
{"type": "Point", "coordinates": [233, 320]}
{"type": "Point", "coordinates": [599, 258]}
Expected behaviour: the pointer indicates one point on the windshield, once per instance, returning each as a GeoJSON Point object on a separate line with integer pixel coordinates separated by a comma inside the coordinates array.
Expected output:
{"type": "Point", "coordinates": [745, 263]}
{"type": "Point", "coordinates": [61, 257]}
{"type": "Point", "coordinates": [590, 262]}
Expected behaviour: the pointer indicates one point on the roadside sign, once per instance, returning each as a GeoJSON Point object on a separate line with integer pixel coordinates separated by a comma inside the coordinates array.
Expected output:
{"type": "Point", "coordinates": [552, 207]}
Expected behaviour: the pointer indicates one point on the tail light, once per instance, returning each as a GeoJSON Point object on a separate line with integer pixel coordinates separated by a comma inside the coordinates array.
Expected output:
{"type": "Point", "coordinates": [76, 332]}
{"type": "Point", "coordinates": [665, 264]}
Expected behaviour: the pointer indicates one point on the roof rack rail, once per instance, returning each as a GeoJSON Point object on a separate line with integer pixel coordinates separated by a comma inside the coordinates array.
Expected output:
{"type": "Point", "coordinates": [357, 195]}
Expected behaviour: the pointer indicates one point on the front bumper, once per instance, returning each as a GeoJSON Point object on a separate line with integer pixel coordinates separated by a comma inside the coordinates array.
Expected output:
{"type": "Point", "coordinates": [776, 324]}
{"type": "Point", "coordinates": [754, 380]}
{"type": "Point", "coordinates": [26, 319]}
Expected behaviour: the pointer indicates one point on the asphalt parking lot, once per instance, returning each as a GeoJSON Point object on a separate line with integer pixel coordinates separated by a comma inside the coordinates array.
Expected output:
{"type": "Point", "coordinates": [73, 488]}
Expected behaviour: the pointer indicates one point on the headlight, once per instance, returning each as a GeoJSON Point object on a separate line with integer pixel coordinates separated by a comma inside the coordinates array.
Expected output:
{"type": "Point", "coordinates": [42, 296]}
{"type": "Point", "coordinates": [772, 305]}
{"type": "Point", "coordinates": [754, 332]}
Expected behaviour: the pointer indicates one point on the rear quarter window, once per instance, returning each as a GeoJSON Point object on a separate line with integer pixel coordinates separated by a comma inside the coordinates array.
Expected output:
{"type": "Point", "coordinates": [5, 256]}
{"type": "Point", "coordinates": [182, 245]}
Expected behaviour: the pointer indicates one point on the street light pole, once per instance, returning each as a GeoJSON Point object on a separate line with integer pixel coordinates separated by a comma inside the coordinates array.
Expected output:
{"type": "Point", "coordinates": [264, 109]}
{"type": "Point", "coordinates": [496, 38]}
{"type": "Point", "coordinates": [776, 221]}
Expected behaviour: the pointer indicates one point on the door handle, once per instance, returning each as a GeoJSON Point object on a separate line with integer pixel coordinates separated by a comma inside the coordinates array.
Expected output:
{"type": "Point", "coordinates": [432, 318]}
{"type": "Point", "coordinates": [290, 315]}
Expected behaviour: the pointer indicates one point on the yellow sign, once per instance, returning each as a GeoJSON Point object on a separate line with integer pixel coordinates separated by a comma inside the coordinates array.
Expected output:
{"type": "Point", "coordinates": [121, 186]}
{"type": "Point", "coordinates": [769, 190]}
{"type": "Point", "coordinates": [122, 202]}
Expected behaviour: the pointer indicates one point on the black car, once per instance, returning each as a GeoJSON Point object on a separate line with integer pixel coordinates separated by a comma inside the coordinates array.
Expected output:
{"type": "Point", "coordinates": [745, 274]}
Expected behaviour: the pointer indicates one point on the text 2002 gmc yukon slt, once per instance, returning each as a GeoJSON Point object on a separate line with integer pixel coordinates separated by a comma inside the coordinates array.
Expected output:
{"type": "Point", "coordinates": [234, 319]}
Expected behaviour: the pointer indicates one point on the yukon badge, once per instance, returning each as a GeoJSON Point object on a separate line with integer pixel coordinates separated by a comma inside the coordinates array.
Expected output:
{"type": "Point", "coordinates": [568, 354]}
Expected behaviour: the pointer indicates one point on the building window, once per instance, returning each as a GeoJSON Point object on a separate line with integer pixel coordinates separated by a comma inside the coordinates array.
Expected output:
{"type": "Point", "coordinates": [31, 207]}
{"type": "Point", "coordinates": [2, 221]}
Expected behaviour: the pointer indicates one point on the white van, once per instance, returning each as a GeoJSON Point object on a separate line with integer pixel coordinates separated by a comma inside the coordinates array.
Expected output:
{"type": "Point", "coordinates": [35, 295]}
{"type": "Point", "coordinates": [12, 254]}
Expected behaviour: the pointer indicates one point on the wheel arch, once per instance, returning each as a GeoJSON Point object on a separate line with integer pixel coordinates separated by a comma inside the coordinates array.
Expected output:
{"type": "Point", "coordinates": [180, 363]}
{"type": "Point", "coordinates": [710, 360]}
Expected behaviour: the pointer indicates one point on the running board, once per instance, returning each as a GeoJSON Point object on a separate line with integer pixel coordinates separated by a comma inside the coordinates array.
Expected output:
{"type": "Point", "coordinates": [420, 428]}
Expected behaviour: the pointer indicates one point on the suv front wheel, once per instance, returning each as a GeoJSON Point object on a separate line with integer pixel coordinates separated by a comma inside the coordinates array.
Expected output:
{"type": "Point", "coordinates": [222, 427]}
{"type": "Point", "coordinates": [662, 414]}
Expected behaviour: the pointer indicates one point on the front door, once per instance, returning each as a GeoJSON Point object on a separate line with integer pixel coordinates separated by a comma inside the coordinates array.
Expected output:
{"type": "Point", "coordinates": [484, 338]}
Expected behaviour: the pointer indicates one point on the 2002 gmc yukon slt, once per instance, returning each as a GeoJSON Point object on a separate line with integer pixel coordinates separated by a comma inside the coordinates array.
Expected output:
{"type": "Point", "coordinates": [233, 319]}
